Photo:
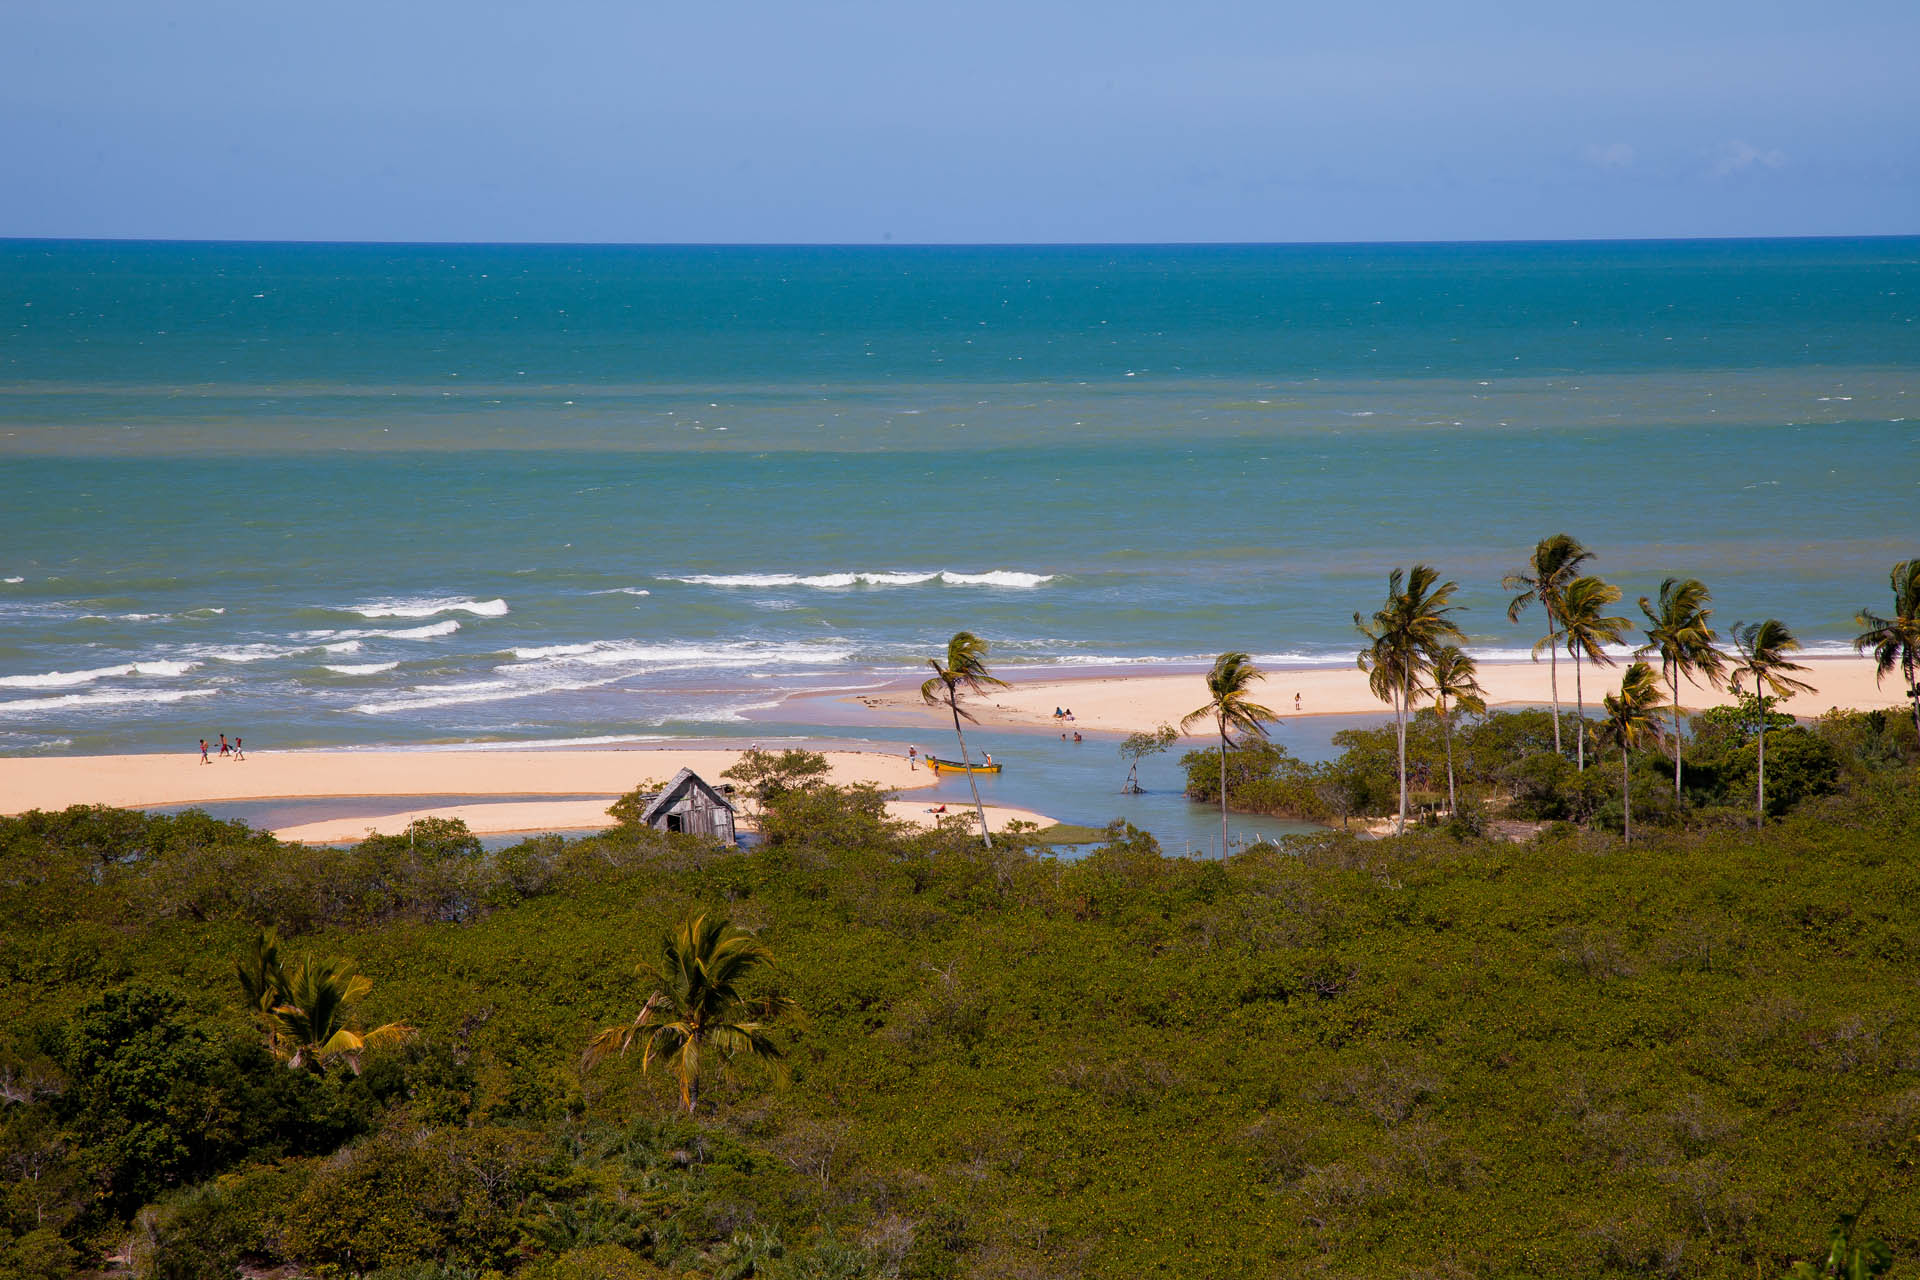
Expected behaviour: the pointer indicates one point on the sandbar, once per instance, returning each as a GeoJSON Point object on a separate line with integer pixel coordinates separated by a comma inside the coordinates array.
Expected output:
{"type": "Point", "coordinates": [1135, 703]}
{"type": "Point", "coordinates": [55, 782]}
{"type": "Point", "coordinates": [543, 816]}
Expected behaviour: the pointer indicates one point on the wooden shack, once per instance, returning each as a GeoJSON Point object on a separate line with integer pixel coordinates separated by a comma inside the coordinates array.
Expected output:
{"type": "Point", "coordinates": [688, 804]}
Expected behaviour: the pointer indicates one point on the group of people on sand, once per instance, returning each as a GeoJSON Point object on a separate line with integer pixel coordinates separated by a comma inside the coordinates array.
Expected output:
{"type": "Point", "coordinates": [235, 750]}
{"type": "Point", "coordinates": [1060, 713]}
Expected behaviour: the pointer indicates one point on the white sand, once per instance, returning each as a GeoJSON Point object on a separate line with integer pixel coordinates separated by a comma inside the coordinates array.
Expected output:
{"type": "Point", "coordinates": [1131, 703]}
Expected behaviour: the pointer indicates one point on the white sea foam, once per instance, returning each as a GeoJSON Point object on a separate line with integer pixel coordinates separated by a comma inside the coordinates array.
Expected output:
{"type": "Point", "coordinates": [738, 653]}
{"type": "Point", "coordinates": [425, 697]}
{"type": "Point", "coordinates": [12, 580]}
{"type": "Point", "coordinates": [35, 706]}
{"type": "Point", "coordinates": [363, 668]}
{"type": "Point", "coordinates": [63, 679]}
{"type": "Point", "coordinates": [836, 581]}
{"type": "Point", "coordinates": [551, 651]}
{"type": "Point", "coordinates": [344, 646]}
{"type": "Point", "coordinates": [427, 632]}
{"type": "Point", "coordinates": [246, 652]}
{"type": "Point", "coordinates": [622, 591]}
{"type": "Point", "coordinates": [68, 679]}
{"type": "Point", "coordinates": [429, 606]}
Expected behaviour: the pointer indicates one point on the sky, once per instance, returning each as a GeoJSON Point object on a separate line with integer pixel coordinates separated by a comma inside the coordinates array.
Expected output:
{"type": "Point", "coordinates": [1003, 121]}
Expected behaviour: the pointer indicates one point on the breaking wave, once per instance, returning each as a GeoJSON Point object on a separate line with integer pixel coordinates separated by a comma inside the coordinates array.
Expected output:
{"type": "Point", "coordinates": [429, 606]}
{"type": "Point", "coordinates": [994, 578]}
{"type": "Point", "coordinates": [68, 679]}
{"type": "Point", "coordinates": [34, 706]}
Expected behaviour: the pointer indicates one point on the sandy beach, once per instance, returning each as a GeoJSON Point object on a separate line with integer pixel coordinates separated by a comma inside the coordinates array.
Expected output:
{"type": "Point", "coordinates": [1132, 703]}
{"type": "Point", "coordinates": [576, 816]}
{"type": "Point", "coordinates": [55, 782]}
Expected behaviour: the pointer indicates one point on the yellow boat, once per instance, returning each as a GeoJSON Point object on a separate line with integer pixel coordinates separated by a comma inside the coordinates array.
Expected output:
{"type": "Point", "coordinates": [954, 766]}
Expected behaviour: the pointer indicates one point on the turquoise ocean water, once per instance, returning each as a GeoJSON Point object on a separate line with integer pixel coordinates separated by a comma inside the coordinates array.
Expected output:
{"type": "Point", "coordinates": [372, 494]}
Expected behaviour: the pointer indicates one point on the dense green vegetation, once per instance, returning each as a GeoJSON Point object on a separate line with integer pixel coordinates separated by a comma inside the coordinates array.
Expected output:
{"type": "Point", "coordinates": [1434, 1055]}
{"type": "Point", "coordinates": [1506, 767]}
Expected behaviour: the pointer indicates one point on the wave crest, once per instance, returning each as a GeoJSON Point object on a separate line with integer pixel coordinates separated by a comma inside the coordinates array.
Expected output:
{"type": "Point", "coordinates": [836, 581]}
{"type": "Point", "coordinates": [429, 606]}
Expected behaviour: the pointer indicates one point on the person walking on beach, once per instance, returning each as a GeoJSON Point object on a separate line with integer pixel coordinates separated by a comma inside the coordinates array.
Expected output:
{"type": "Point", "coordinates": [913, 757]}
{"type": "Point", "coordinates": [203, 752]}
{"type": "Point", "coordinates": [225, 750]}
{"type": "Point", "coordinates": [239, 752]}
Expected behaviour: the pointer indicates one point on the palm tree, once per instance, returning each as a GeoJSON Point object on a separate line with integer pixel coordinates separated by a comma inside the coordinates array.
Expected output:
{"type": "Point", "coordinates": [1403, 635]}
{"type": "Point", "coordinates": [1763, 648]}
{"type": "Point", "coordinates": [306, 1010]}
{"type": "Point", "coordinates": [1454, 679]}
{"type": "Point", "coordinates": [1555, 562]}
{"type": "Point", "coordinates": [965, 668]}
{"type": "Point", "coordinates": [1585, 629]}
{"type": "Point", "coordinates": [1230, 707]}
{"type": "Point", "coordinates": [1895, 640]}
{"type": "Point", "coordinates": [697, 1004]}
{"type": "Point", "coordinates": [1679, 632]}
{"type": "Point", "coordinates": [1632, 718]}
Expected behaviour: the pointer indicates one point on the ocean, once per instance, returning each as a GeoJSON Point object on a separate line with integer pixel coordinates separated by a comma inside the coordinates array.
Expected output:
{"type": "Point", "coordinates": [326, 495]}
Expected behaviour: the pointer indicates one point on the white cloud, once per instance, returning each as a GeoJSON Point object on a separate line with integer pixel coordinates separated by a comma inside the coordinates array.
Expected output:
{"type": "Point", "coordinates": [1740, 156]}
{"type": "Point", "coordinates": [1610, 155]}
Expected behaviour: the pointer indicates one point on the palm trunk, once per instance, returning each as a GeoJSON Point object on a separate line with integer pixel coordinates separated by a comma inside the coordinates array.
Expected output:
{"type": "Point", "coordinates": [1580, 716]}
{"type": "Point", "coordinates": [1913, 692]}
{"type": "Point", "coordinates": [1223, 789]}
{"type": "Point", "coordinates": [1673, 682]}
{"type": "Point", "coordinates": [1400, 728]}
{"type": "Point", "coordinates": [1760, 774]}
{"type": "Point", "coordinates": [1553, 675]}
{"type": "Point", "coordinates": [1453, 806]}
{"type": "Point", "coordinates": [1626, 798]}
{"type": "Point", "coordinates": [972, 782]}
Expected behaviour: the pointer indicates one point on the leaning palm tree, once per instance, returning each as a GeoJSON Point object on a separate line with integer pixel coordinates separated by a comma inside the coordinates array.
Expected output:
{"type": "Point", "coordinates": [1585, 628]}
{"type": "Point", "coordinates": [1762, 649]}
{"type": "Point", "coordinates": [1231, 709]}
{"type": "Point", "coordinates": [1679, 632]}
{"type": "Point", "coordinates": [1632, 718]}
{"type": "Point", "coordinates": [310, 1023]}
{"type": "Point", "coordinates": [1555, 562]}
{"type": "Point", "coordinates": [697, 1005]}
{"type": "Point", "coordinates": [965, 668]}
{"type": "Point", "coordinates": [1895, 641]}
{"type": "Point", "coordinates": [1403, 636]}
{"type": "Point", "coordinates": [1454, 681]}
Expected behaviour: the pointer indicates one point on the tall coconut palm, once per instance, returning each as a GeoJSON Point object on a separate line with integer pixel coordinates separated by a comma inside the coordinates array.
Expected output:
{"type": "Point", "coordinates": [1895, 640]}
{"type": "Point", "coordinates": [1555, 562]}
{"type": "Point", "coordinates": [1231, 709]}
{"type": "Point", "coordinates": [1403, 636]}
{"type": "Point", "coordinates": [1678, 630]}
{"type": "Point", "coordinates": [1632, 718]}
{"type": "Point", "coordinates": [1761, 650]}
{"type": "Point", "coordinates": [697, 1005]}
{"type": "Point", "coordinates": [963, 669]}
{"type": "Point", "coordinates": [1586, 629]}
{"type": "Point", "coordinates": [307, 1008]}
{"type": "Point", "coordinates": [1454, 681]}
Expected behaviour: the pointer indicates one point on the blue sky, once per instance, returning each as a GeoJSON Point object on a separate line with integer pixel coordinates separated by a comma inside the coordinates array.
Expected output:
{"type": "Point", "coordinates": [856, 121]}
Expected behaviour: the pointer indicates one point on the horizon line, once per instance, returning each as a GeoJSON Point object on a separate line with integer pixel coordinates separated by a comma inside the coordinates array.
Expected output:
{"type": "Point", "coordinates": [958, 244]}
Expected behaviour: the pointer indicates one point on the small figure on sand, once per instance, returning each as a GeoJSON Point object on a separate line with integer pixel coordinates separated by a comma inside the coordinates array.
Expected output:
{"type": "Point", "coordinates": [1058, 714]}
{"type": "Point", "coordinates": [1067, 714]}
{"type": "Point", "coordinates": [203, 752]}
{"type": "Point", "coordinates": [913, 757]}
{"type": "Point", "coordinates": [239, 752]}
{"type": "Point", "coordinates": [939, 808]}
{"type": "Point", "coordinates": [225, 749]}
{"type": "Point", "coordinates": [1296, 702]}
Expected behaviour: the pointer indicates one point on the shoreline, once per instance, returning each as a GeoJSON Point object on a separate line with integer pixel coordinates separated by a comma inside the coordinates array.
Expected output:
{"type": "Point", "coordinates": [1123, 702]}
